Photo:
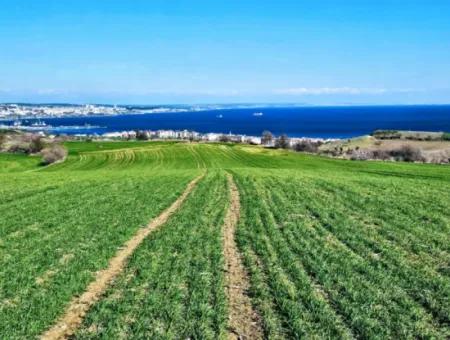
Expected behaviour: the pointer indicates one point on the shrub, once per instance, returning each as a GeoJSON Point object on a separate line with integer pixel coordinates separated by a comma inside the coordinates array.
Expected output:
{"type": "Point", "coordinates": [306, 146]}
{"type": "Point", "coordinates": [266, 138]}
{"type": "Point", "coordinates": [282, 142]}
{"type": "Point", "coordinates": [53, 154]}
{"type": "Point", "coordinates": [381, 154]}
{"type": "Point", "coordinates": [441, 157]}
{"type": "Point", "coordinates": [224, 139]}
{"type": "Point", "coordinates": [361, 155]}
{"type": "Point", "coordinates": [446, 136]}
{"type": "Point", "coordinates": [407, 153]}
{"type": "Point", "coordinates": [23, 143]}
{"type": "Point", "coordinates": [36, 144]}
{"type": "Point", "coordinates": [141, 135]}
{"type": "Point", "coordinates": [387, 134]}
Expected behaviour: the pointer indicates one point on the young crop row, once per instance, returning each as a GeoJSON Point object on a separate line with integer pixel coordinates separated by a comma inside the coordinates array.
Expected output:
{"type": "Point", "coordinates": [173, 286]}
{"type": "Point", "coordinates": [346, 258]}
{"type": "Point", "coordinates": [57, 229]}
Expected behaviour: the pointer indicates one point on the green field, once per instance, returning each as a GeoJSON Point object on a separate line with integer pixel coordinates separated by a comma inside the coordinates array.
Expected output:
{"type": "Point", "coordinates": [333, 248]}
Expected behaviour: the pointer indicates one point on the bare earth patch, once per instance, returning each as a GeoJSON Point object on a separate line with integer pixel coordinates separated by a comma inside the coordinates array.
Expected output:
{"type": "Point", "coordinates": [79, 306]}
{"type": "Point", "coordinates": [243, 322]}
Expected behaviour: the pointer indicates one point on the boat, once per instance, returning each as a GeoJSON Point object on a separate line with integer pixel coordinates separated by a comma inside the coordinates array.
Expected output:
{"type": "Point", "coordinates": [258, 114]}
{"type": "Point", "coordinates": [39, 124]}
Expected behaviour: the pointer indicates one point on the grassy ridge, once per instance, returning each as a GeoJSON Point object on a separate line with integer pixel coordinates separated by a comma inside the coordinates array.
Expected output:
{"type": "Point", "coordinates": [334, 248]}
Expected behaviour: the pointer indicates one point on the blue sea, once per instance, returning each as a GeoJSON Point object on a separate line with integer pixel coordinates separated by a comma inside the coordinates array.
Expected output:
{"type": "Point", "coordinates": [324, 122]}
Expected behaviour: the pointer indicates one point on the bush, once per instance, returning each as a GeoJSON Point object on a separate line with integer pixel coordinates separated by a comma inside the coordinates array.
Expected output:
{"type": "Point", "coordinates": [407, 153]}
{"type": "Point", "coordinates": [383, 155]}
{"type": "Point", "coordinates": [361, 155]}
{"type": "Point", "coordinates": [282, 142]}
{"type": "Point", "coordinates": [446, 136]}
{"type": "Point", "coordinates": [306, 146]}
{"type": "Point", "coordinates": [224, 139]}
{"type": "Point", "coordinates": [387, 134]}
{"type": "Point", "coordinates": [23, 143]}
{"type": "Point", "coordinates": [36, 144]}
{"type": "Point", "coordinates": [141, 135]}
{"type": "Point", "coordinates": [53, 154]}
{"type": "Point", "coordinates": [266, 138]}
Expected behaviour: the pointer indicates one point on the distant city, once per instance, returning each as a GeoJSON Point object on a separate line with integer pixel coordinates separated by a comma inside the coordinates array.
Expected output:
{"type": "Point", "coordinates": [21, 110]}
{"type": "Point", "coordinates": [18, 111]}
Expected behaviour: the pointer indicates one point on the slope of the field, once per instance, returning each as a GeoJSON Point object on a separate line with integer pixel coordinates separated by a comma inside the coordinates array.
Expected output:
{"type": "Point", "coordinates": [58, 228]}
{"type": "Point", "coordinates": [347, 255]}
{"type": "Point", "coordinates": [173, 286]}
{"type": "Point", "coordinates": [333, 248]}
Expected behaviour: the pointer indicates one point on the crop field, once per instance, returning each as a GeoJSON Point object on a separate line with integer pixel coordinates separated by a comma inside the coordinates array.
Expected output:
{"type": "Point", "coordinates": [331, 248]}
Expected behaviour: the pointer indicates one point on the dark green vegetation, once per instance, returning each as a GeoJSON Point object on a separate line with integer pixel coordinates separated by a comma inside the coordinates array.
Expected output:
{"type": "Point", "coordinates": [411, 135]}
{"type": "Point", "coordinates": [334, 248]}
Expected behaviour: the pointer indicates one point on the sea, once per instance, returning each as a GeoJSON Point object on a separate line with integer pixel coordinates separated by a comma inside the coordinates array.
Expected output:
{"type": "Point", "coordinates": [302, 121]}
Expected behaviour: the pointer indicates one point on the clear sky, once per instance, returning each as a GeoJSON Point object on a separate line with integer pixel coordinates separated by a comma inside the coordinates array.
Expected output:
{"type": "Point", "coordinates": [300, 51]}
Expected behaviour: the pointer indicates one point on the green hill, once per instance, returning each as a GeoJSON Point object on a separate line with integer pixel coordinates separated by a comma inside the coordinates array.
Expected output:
{"type": "Point", "coordinates": [332, 248]}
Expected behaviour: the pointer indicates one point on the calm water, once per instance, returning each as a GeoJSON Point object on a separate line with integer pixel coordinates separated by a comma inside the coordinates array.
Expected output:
{"type": "Point", "coordinates": [326, 122]}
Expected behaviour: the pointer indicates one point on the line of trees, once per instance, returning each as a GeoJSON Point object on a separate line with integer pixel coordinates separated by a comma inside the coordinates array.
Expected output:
{"type": "Point", "coordinates": [283, 142]}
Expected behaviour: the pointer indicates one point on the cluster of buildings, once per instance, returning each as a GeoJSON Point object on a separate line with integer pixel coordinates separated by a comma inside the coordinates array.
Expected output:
{"type": "Point", "coordinates": [183, 135]}
{"type": "Point", "coordinates": [206, 137]}
{"type": "Point", "coordinates": [17, 111]}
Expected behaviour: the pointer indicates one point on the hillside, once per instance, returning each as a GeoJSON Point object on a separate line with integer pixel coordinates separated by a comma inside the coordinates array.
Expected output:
{"type": "Point", "coordinates": [186, 240]}
{"type": "Point", "coordinates": [429, 147]}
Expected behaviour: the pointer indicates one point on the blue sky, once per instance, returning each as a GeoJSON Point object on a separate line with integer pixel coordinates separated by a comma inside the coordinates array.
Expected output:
{"type": "Point", "coordinates": [315, 52]}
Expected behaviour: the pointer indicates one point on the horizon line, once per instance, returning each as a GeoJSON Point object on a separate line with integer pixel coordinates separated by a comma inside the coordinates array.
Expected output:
{"type": "Point", "coordinates": [255, 104]}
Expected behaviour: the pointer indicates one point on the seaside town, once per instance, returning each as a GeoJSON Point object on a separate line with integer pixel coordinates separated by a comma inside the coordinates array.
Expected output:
{"type": "Point", "coordinates": [21, 111]}
{"type": "Point", "coordinates": [15, 111]}
{"type": "Point", "coordinates": [266, 139]}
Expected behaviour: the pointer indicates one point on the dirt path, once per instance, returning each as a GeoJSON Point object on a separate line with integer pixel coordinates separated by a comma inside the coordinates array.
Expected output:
{"type": "Point", "coordinates": [243, 321]}
{"type": "Point", "coordinates": [73, 316]}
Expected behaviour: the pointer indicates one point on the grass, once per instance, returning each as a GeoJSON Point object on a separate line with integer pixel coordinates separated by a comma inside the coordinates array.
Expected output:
{"type": "Point", "coordinates": [173, 285]}
{"type": "Point", "coordinates": [17, 163]}
{"type": "Point", "coordinates": [57, 228]}
{"type": "Point", "coordinates": [347, 257]}
{"type": "Point", "coordinates": [333, 248]}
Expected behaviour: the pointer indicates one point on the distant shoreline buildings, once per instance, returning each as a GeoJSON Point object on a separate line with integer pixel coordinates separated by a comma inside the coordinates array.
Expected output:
{"type": "Point", "coordinates": [18, 111]}
{"type": "Point", "coordinates": [206, 137]}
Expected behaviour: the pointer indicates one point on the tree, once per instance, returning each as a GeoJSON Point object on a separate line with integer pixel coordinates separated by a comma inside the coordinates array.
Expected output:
{"type": "Point", "coordinates": [53, 153]}
{"type": "Point", "coordinates": [282, 142]}
{"type": "Point", "coordinates": [141, 135]}
{"type": "Point", "coordinates": [306, 146]}
{"type": "Point", "coordinates": [266, 138]}
{"type": "Point", "coordinates": [36, 144]}
{"type": "Point", "coordinates": [224, 138]}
